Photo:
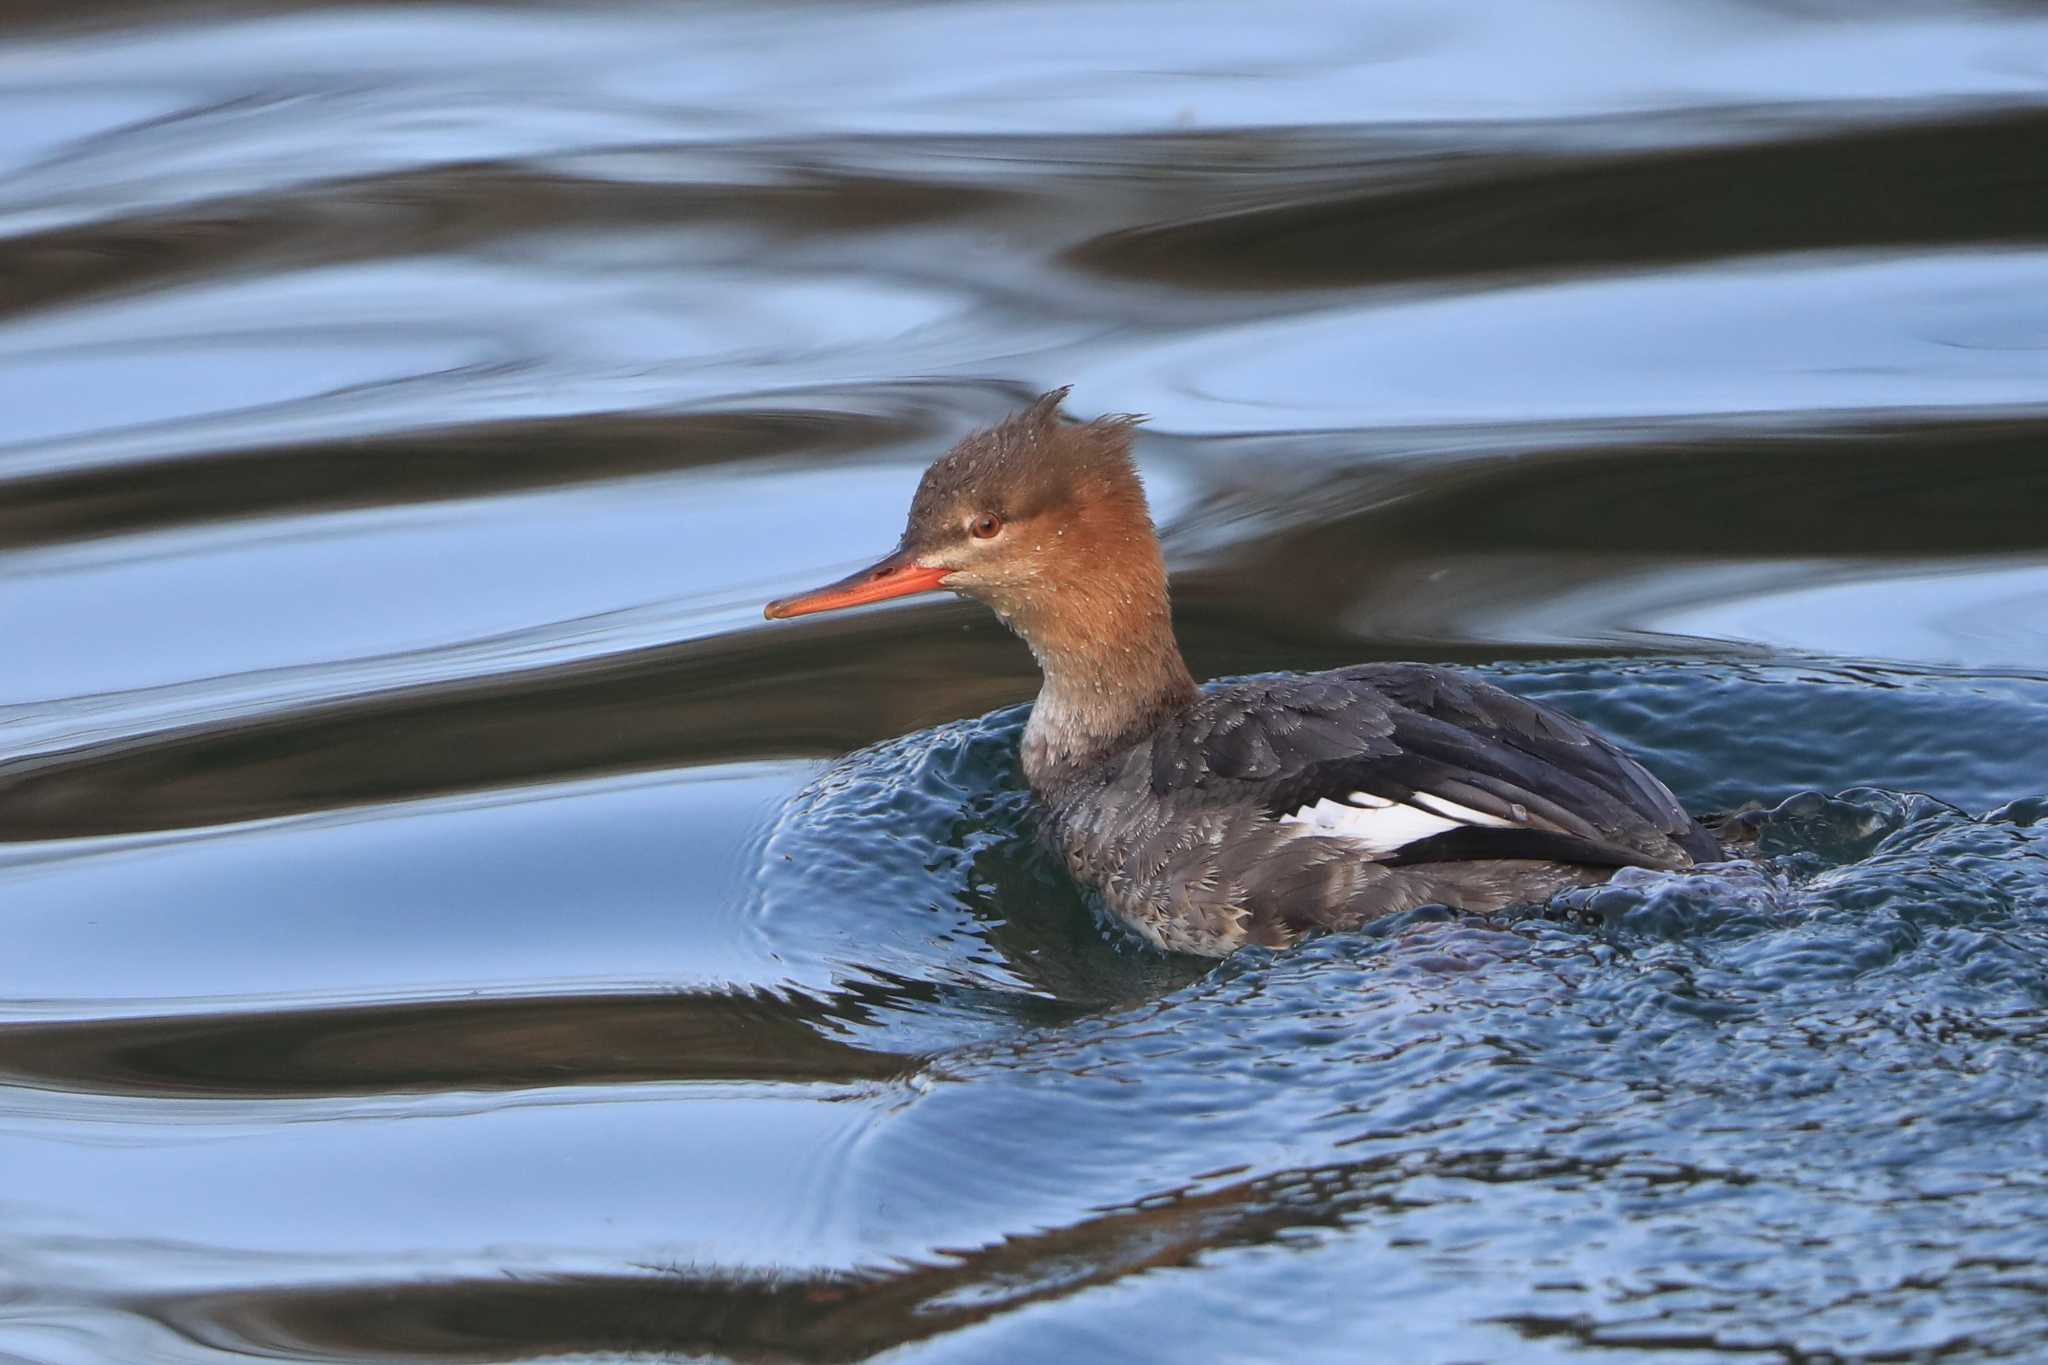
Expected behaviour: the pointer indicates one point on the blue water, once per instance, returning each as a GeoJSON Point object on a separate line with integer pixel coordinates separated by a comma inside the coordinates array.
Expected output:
{"type": "Point", "coordinates": [443, 922]}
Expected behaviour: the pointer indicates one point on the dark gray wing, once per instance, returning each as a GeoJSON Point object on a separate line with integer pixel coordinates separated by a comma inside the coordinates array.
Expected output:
{"type": "Point", "coordinates": [1523, 781]}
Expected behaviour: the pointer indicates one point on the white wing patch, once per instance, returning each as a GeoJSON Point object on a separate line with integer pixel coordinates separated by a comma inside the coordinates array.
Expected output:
{"type": "Point", "coordinates": [1381, 826]}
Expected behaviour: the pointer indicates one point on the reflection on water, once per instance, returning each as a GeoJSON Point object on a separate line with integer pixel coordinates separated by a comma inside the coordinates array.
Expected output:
{"type": "Point", "coordinates": [444, 923]}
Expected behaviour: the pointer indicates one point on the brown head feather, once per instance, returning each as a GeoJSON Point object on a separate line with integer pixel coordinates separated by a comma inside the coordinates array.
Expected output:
{"type": "Point", "coordinates": [1075, 567]}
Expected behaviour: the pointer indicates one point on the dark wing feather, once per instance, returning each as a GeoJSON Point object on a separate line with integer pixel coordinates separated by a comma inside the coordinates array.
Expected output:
{"type": "Point", "coordinates": [1586, 775]}
{"type": "Point", "coordinates": [1398, 731]}
{"type": "Point", "coordinates": [1473, 843]}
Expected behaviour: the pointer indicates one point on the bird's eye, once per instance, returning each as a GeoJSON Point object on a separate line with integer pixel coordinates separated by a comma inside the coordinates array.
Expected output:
{"type": "Point", "coordinates": [986, 525]}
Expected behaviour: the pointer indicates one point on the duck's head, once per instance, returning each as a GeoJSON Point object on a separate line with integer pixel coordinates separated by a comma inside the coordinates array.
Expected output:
{"type": "Point", "coordinates": [1041, 518]}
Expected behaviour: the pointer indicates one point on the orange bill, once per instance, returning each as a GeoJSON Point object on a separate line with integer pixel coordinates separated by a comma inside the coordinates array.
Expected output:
{"type": "Point", "coordinates": [896, 576]}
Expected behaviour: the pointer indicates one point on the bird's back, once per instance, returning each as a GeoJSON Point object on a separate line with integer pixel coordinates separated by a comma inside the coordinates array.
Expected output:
{"type": "Point", "coordinates": [1270, 808]}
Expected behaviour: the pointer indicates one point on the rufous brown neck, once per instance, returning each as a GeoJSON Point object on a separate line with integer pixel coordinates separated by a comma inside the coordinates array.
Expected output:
{"type": "Point", "coordinates": [1045, 521]}
{"type": "Point", "coordinates": [1099, 621]}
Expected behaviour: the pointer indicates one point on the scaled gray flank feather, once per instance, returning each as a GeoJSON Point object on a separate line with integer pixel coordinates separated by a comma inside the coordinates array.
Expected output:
{"type": "Point", "coordinates": [1207, 863]}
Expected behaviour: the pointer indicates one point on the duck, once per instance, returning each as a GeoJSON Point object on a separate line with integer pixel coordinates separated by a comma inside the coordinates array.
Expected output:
{"type": "Point", "coordinates": [1259, 812]}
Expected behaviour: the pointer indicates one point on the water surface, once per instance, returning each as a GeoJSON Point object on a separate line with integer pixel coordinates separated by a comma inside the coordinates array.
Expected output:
{"type": "Point", "coordinates": [444, 923]}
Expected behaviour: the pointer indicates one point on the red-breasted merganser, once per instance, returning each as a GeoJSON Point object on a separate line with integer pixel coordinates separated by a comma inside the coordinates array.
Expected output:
{"type": "Point", "coordinates": [1262, 811]}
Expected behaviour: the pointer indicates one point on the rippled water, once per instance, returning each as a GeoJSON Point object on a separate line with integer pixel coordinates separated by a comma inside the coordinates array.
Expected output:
{"type": "Point", "coordinates": [442, 922]}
